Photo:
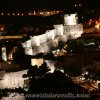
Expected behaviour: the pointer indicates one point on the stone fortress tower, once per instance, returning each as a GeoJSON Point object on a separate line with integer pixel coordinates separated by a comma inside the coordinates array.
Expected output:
{"type": "Point", "coordinates": [49, 40]}
{"type": "Point", "coordinates": [71, 27]}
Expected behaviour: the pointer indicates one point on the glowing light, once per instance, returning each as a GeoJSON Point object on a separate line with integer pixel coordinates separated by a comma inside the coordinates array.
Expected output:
{"type": "Point", "coordinates": [75, 5]}
{"type": "Point", "coordinates": [48, 12]}
{"type": "Point", "coordinates": [58, 50]}
{"type": "Point", "coordinates": [34, 12]}
{"type": "Point", "coordinates": [97, 25]}
{"type": "Point", "coordinates": [18, 14]}
{"type": "Point", "coordinates": [80, 4]}
{"type": "Point", "coordinates": [10, 57]}
{"type": "Point", "coordinates": [4, 54]}
{"type": "Point", "coordinates": [2, 13]}
{"type": "Point", "coordinates": [11, 37]}
{"type": "Point", "coordinates": [86, 73]}
{"type": "Point", "coordinates": [25, 89]}
{"type": "Point", "coordinates": [83, 78]}
{"type": "Point", "coordinates": [8, 14]}
{"type": "Point", "coordinates": [30, 14]}
{"type": "Point", "coordinates": [2, 28]}
{"type": "Point", "coordinates": [41, 13]}
{"type": "Point", "coordinates": [13, 14]}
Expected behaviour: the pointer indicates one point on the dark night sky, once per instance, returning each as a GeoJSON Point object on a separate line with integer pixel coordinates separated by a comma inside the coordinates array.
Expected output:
{"type": "Point", "coordinates": [37, 4]}
{"type": "Point", "coordinates": [92, 4]}
{"type": "Point", "coordinates": [22, 5]}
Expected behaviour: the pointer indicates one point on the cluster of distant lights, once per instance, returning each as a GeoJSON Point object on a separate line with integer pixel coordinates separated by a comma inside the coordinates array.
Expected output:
{"type": "Point", "coordinates": [12, 37]}
{"type": "Point", "coordinates": [44, 13]}
{"type": "Point", "coordinates": [77, 5]}
{"type": "Point", "coordinates": [34, 13]}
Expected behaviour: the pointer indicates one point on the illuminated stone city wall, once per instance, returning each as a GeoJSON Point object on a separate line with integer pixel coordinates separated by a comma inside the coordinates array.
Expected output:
{"type": "Point", "coordinates": [50, 34]}
{"type": "Point", "coordinates": [46, 47]}
{"type": "Point", "coordinates": [28, 51]}
{"type": "Point", "coordinates": [13, 80]}
{"type": "Point", "coordinates": [49, 40]}
{"type": "Point", "coordinates": [64, 38]}
{"type": "Point", "coordinates": [38, 40]}
{"type": "Point", "coordinates": [59, 29]}
{"type": "Point", "coordinates": [73, 31]}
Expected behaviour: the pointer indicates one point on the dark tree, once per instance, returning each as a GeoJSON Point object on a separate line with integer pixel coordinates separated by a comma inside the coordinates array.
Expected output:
{"type": "Point", "coordinates": [32, 72]}
{"type": "Point", "coordinates": [35, 71]}
{"type": "Point", "coordinates": [43, 69]}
